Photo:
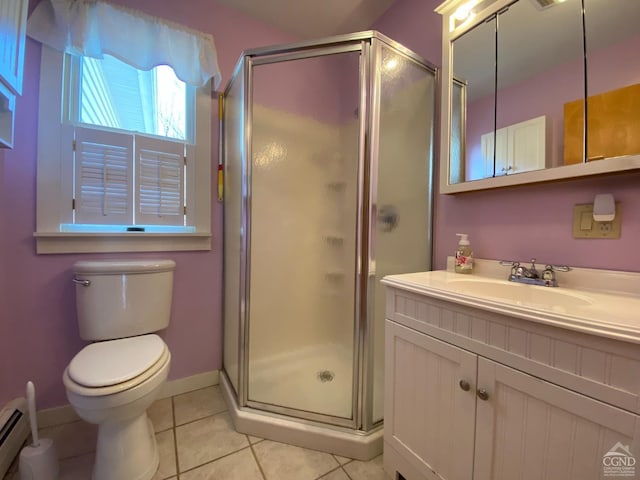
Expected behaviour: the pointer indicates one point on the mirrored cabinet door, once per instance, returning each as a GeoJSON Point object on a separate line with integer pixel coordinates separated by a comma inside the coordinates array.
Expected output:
{"type": "Point", "coordinates": [540, 68]}
{"type": "Point", "coordinates": [612, 33]}
{"type": "Point", "coordinates": [473, 91]}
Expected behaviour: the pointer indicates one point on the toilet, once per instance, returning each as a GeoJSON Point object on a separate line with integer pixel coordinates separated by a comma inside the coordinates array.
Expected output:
{"type": "Point", "coordinates": [112, 381]}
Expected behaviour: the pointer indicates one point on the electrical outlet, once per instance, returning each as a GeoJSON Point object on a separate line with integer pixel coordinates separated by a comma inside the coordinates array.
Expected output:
{"type": "Point", "coordinates": [584, 226]}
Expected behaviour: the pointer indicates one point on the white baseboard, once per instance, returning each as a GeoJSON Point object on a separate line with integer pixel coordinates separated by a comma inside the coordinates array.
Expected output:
{"type": "Point", "coordinates": [65, 414]}
{"type": "Point", "coordinates": [188, 384]}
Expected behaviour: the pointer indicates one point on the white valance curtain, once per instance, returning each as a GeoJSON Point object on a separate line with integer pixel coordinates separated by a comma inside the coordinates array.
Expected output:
{"type": "Point", "coordinates": [93, 28]}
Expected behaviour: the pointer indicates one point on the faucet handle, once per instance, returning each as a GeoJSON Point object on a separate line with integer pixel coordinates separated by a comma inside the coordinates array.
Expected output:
{"type": "Point", "coordinates": [549, 276]}
{"type": "Point", "coordinates": [516, 269]}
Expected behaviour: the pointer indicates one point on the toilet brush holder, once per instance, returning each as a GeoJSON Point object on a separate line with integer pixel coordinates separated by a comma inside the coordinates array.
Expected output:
{"type": "Point", "coordinates": [38, 461]}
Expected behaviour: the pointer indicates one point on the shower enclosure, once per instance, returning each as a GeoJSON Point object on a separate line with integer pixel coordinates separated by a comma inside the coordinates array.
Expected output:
{"type": "Point", "coordinates": [328, 158]}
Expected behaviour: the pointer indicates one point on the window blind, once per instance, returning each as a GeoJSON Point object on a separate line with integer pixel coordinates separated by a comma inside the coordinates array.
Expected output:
{"type": "Point", "coordinates": [160, 181]}
{"type": "Point", "coordinates": [105, 191]}
{"type": "Point", "coordinates": [103, 177]}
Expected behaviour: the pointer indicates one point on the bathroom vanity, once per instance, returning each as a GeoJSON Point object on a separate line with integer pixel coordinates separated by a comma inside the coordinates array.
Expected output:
{"type": "Point", "coordinates": [491, 380]}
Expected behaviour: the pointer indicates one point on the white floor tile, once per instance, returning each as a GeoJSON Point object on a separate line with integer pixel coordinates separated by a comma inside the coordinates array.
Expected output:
{"type": "Point", "coordinates": [342, 460]}
{"type": "Point", "coordinates": [72, 439]}
{"type": "Point", "coordinates": [336, 475]}
{"type": "Point", "coordinates": [371, 470]}
{"type": "Point", "coordinates": [208, 448]}
{"type": "Point", "coordinates": [76, 468]}
{"type": "Point", "coordinates": [167, 453]}
{"type": "Point", "coordinates": [286, 462]}
{"type": "Point", "coordinates": [198, 404]}
{"type": "Point", "coordinates": [205, 440]}
{"type": "Point", "coordinates": [161, 414]}
{"type": "Point", "coordinates": [237, 466]}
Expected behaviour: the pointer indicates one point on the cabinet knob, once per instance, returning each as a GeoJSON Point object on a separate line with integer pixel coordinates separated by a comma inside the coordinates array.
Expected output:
{"type": "Point", "coordinates": [464, 385]}
{"type": "Point", "coordinates": [483, 394]}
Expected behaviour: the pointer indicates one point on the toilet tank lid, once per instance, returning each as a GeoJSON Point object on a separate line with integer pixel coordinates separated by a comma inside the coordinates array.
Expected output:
{"type": "Point", "coordinates": [103, 364]}
{"type": "Point", "coordinates": [123, 266]}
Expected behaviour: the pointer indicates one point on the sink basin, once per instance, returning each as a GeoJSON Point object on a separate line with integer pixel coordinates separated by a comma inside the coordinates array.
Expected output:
{"type": "Point", "coordinates": [519, 294]}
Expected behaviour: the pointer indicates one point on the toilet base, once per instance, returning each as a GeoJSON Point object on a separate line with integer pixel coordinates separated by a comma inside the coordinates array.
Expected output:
{"type": "Point", "coordinates": [126, 449]}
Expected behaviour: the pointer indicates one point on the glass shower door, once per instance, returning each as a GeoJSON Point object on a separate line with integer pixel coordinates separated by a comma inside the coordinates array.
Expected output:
{"type": "Point", "coordinates": [400, 235]}
{"type": "Point", "coordinates": [303, 218]}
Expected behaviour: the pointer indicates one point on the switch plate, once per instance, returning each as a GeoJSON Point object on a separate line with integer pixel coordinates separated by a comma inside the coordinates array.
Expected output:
{"type": "Point", "coordinates": [584, 226]}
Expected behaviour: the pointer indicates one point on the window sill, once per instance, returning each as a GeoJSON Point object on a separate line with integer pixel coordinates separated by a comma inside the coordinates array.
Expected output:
{"type": "Point", "coordinates": [78, 242]}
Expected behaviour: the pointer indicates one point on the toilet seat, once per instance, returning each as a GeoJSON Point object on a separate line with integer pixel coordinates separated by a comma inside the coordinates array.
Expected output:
{"type": "Point", "coordinates": [108, 363]}
{"type": "Point", "coordinates": [78, 389]}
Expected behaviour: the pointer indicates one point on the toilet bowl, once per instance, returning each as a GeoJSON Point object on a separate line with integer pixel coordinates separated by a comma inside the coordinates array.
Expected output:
{"type": "Point", "coordinates": [119, 409]}
{"type": "Point", "coordinates": [113, 381]}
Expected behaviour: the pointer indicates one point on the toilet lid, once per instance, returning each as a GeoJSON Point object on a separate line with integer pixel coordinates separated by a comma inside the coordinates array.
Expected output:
{"type": "Point", "coordinates": [103, 364]}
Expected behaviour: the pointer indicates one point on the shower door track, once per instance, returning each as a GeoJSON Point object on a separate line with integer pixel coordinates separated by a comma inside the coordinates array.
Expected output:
{"type": "Point", "coordinates": [302, 414]}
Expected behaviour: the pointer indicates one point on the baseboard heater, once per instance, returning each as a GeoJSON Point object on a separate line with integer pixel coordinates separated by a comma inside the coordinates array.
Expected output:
{"type": "Point", "coordinates": [14, 430]}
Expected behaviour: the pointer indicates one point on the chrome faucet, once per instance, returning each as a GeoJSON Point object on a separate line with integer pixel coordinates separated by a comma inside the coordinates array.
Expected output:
{"type": "Point", "coordinates": [532, 276]}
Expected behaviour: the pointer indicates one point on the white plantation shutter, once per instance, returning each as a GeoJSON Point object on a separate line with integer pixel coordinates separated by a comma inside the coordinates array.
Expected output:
{"type": "Point", "coordinates": [103, 177]}
{"type": "Point", "coordinates": [160, 181]}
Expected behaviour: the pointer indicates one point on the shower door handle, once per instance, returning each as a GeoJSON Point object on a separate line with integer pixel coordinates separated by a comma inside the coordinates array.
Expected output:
{"type": "Point", "coordinates": [388, 217]}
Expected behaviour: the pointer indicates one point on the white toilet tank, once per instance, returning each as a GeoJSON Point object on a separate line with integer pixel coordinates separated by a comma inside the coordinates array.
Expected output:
{"type": "Point", "coordinates": [117, 299]}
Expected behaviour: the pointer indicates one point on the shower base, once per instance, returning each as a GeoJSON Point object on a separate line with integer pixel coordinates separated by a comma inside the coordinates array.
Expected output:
{"type": "Point", "coordinates": [327, 438]}
{"type": "Point", "coordinates": [315, 379]}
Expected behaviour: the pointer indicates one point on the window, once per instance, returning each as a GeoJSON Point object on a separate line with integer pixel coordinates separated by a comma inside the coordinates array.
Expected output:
{"type": "Point", "coordinates": [123, 154]}
{"type": "Point", "coordinates": [111, 93]}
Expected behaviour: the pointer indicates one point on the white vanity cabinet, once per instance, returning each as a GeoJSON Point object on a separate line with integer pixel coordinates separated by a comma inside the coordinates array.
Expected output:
{"type": "Point", "coordinates": [477, 395]}
{"type": "Point", "coordinates": [13, 25]}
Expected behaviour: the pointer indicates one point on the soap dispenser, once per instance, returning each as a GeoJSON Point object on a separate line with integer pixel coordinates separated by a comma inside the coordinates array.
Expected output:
{"type": "Point", "coordinates": [464, 255]}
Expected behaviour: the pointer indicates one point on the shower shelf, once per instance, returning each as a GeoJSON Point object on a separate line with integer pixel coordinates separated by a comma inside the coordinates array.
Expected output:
{"type": "Point", "coordinates": [335, 275]}
{"type": "Point", "coordinates": [337, 185]}
{"type": "Point", "coordinates": [334, 240]}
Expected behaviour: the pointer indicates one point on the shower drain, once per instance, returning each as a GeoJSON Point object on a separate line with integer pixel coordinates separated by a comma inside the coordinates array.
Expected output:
{"type": "Point", "coordinates": [325, 375]}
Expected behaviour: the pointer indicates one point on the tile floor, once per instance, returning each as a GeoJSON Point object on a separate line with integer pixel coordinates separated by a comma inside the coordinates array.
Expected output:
{"type": "Point", "coordinates": [197, 441]}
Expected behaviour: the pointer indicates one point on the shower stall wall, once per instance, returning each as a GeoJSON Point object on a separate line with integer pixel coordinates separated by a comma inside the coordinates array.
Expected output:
{"type": "Point", "coordinates": [328, 158]}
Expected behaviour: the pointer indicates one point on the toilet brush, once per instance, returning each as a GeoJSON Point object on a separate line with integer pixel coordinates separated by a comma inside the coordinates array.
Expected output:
{"type": "Point", "coordinates": [38, 461]}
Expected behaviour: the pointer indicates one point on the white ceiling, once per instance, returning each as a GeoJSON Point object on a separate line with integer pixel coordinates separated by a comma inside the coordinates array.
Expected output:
{"type": "Point", "coordinates": [310, 19]}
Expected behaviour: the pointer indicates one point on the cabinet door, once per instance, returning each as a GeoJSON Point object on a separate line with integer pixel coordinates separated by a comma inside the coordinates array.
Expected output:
{"type": "Point", "coordinates": [13, 21]}
{"type": "Point", "coordinates": [531, 429]}
{"type": "Point", "coordinates": [527, 145]}
{"type": "Point", "coordinates": [502, 163]}
{"type": "Point", "coordinates": [429, 418]}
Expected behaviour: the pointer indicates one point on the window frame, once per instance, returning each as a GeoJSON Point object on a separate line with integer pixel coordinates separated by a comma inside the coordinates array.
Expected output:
{"type": "Point", "coordinates": [54, 180]}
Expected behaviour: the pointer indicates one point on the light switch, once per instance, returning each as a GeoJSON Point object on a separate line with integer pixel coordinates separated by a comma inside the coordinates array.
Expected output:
{"type": "Point", "coordinates": [586, 221]}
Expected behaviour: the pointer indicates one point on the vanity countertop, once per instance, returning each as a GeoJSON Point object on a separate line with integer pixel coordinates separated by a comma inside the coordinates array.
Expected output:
{"type": "Point", "coordinates": [604, 313]}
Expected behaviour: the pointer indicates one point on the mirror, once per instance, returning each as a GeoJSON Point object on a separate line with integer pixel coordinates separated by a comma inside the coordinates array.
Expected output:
{"type": "Point", "coordinates": [612, 32]}
{"type": "Point", "coordinates": [474, 60]}
{"type": "Point", "coordinates": [518, 76]}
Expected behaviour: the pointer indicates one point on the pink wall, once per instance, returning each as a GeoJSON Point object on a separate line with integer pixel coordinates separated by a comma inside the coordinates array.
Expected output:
{"type": "Point", "coordinates": [526, 221]}
{"type": "Point", "coordinates": [38, 331]}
